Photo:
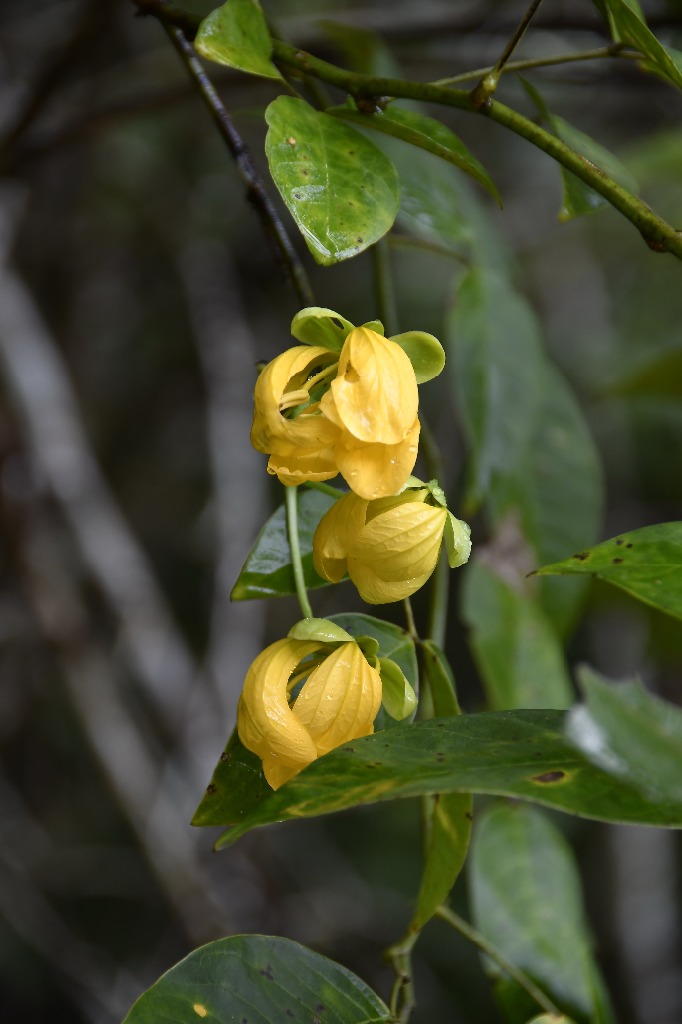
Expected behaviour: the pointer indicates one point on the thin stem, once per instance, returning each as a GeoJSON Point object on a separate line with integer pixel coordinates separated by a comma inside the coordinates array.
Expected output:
{"type": "Point", "coordinates": [255, 188]}
{"type": "Point", "coordinates": [409, 618]}
{"type": "Point", "coordinates": [488, 84]}
{"type": "Point", "coordinates": [383, 287]}
{"type": "Point", "coordinates": [402, 1002]}
{"type": "Point", "coordinates": [519, 976]}
{"type": "Point", "coordinates": [437, 619]}
{"type": "Point", "coordinates": [295, 549]}
{"type": "Point", "coordinates": [659, 235]}
{"type": "Point", "coordinates": [615, 50]}
{"type": "Point", "coordinates": [517, 36]}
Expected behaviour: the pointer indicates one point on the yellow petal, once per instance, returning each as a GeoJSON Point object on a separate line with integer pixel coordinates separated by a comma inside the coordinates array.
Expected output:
{"type": "Point", "coordinates": [340, 699]}
{"type": "Point", "coordinates": [396, 552]}
{"type": "Point", "coordinates": [265, 723]}
{"type": "Point", "coordinates": [289, 372]}
{"type": "Point", "coordinates": [294, 465]}
{"type": "Point", "coordinates": [374, 394]}
{"type": "Point", "coordinates": [376, 470]}
{"type": "Point", "coordinates": [334, 531]}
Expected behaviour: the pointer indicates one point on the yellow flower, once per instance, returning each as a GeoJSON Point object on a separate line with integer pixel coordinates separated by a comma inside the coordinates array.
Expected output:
{"type": "Point", "coordinates": [317, 417]}
{"type": "Point", "coordinates": [338, 702]}
{"type": "Point", "coordinates": [388, 547]}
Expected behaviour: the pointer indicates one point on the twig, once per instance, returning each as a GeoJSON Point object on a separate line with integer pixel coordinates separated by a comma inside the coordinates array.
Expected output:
{"type": "Point", "coordinates": [399, 956]}
{"type": "Point", "coordinates": [600, 53]}
{"type": "Point", "coordinates": [488, 84]}
{"type": "Point", "coordinates": [255, 189]}
{"type": "Point", "coordinates": [519, 976]}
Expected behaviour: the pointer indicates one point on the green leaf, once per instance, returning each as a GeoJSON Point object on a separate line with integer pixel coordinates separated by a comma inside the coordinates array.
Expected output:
{"type": "Point", "coordinates": [424, 352]}
{"type": "Point", "coordinates": [424, 132]}
{"type": "Point", "coordinates": [646, 563]}
{"type": "Point", "coordinates": [496, 363]}
{"type": "Point", "coordinates": [555, 488]}
{"type": "Point", "coordinates": [527, 900]}
{"type": "Point", "coordinates": [341, 190]}
{"type": "Point", "coordinates": [316, 325]}
{"type": "Point", "coordinates": [267, 571]}
{"type": "Point", "coordinates": [261, 979]}
{"type": "Point", "coordinates": [237, 34]}
{"type": "Point", "coordinates": [448, 815]}
{"type": "Point", "coordinates": [631, 734]}
{"type": "Point", "coordinates": [514, 645]}
{"type": "Point", "coordinates": [440, 679]}
{"type": "Point", "coordinates": [523, 754]}
{"type": "Point", "coordinates": [655, 374]}
{"type": "Point", "coordinates": [631, 28]}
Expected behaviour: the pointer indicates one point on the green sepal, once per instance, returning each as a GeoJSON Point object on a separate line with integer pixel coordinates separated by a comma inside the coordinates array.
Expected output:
{"type": "Point", "coordinates": [316, 325]}
{"type": "Point", "coordinates": [436, 492]}
{"type": "Point", "coordinates": [376, 326]}
{"type": "Point", "coordinates": [319, 629]}
{"type": "Point", "coordinates": [237, 34]}
{"type": "Point", "coordinates": [399, 699]}
{"type": "Point", "coordinates": [369, 647]}
{"type": "Point", "coordinates": [457, 535]}
{"type": "Point", "coordinates": [424, 352]}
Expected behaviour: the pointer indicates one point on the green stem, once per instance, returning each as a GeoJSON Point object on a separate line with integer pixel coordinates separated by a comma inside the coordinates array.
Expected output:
{"type": "Point", "coordinates": [658, 234]}
{"type": "Point", "coordinates": [615, 50]}
{"type": "Point", "coordinates": [383, 287]}
{"type": "Point", "coordinates": [437, 620]}
{"type": "Point", "coordinates": [402, 1002]}
{"type": "Point", "coordinates": [409, 618]}
{"type": "Point", "coordinates": [295, 549]}
{"type": "Point", "coordinates": [519, 976]}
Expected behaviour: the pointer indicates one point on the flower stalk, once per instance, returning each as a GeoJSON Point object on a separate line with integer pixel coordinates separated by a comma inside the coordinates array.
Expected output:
{"type": "Point", "coordinates": [291, 503]}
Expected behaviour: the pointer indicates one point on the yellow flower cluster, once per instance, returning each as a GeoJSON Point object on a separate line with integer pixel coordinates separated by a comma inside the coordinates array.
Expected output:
{"type": "Point", "coordinates": [363, 425]}
{"type": "Point", "coordinates": [345, 401]}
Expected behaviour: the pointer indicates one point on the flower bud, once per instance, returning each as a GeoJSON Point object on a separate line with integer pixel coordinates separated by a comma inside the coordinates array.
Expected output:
{"type": "Point", "coordinates": [338, 702]}
{"type": "Point", "coordinates": [388, 547]}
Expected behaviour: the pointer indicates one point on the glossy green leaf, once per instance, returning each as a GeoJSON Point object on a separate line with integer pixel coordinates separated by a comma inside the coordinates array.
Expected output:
{"type": "Point", "coordinates": [511, 753]}
{"type": "Point", "coordinates": [631, 28]}
{"type": "Point", "coordinates": [341, 190]}
{"type": "Point", "coordinates": [317, 325]}
{"type": "Point", "coordinates": [646, 563]}
{"type": "Point", "coordinates": [527, 900]}
{"type": "Point", "coordinates": [237, 34]}
{"type": "Point", "coordinates": [513, 643]}
{"type": "Point", "coordinates": [267, 571]}
{"type": "Point", "coordinates": [448, 815]}
{"type": "Point", "coordinates": [555, 488]}
{"type": "Point", "coordinates": [424, 132]}
{"type": "Point", "coordinates": [631, 734]}
{"type": "Point", "coordinates": [259, 979]}
{"type": "Point", "coordinates": [495, 358]}
{"type": "Point", "coordinates": [424, 352]}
